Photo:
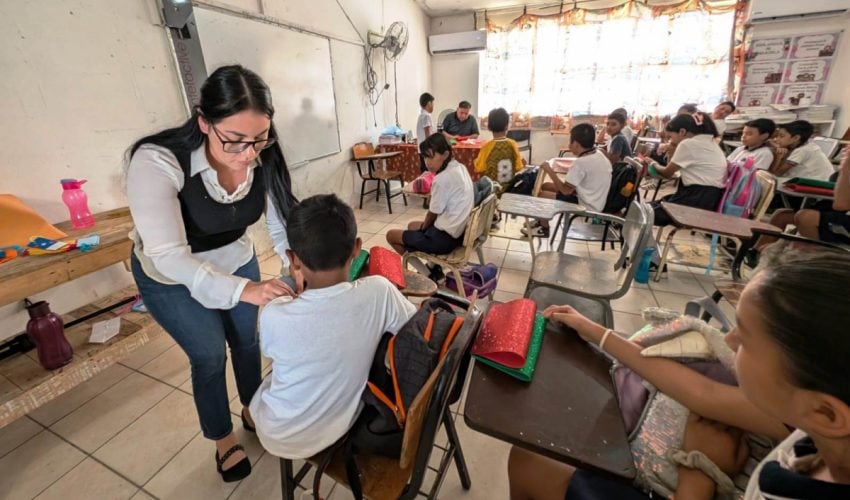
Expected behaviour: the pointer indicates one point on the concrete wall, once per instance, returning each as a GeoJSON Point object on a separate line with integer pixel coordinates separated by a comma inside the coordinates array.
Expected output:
{"type": "Point", "coordinates": [84, 78]}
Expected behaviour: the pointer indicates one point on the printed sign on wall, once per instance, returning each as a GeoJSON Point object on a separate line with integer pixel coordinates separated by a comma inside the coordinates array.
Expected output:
{"type": "Point", "coordinates": [791, 70]}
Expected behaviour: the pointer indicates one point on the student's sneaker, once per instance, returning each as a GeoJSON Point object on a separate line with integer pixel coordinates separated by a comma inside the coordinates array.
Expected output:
{"type": "Point", "coordinates": [653, 268]}
{"type": "Point", "coordinates": [751, 258]}
{"type": "Point", "coordinates": [436, 275]}
{"type": "Point", "coordinates": [536, 232]}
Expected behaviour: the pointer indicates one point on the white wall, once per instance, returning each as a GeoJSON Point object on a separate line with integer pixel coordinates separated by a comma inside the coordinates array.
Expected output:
{"type": "Point", "coordinates": [455, 77]}
{"type": "Point", "coordinates": [838, 88]}
{"type": "Point", "coordinates": [84, 78]}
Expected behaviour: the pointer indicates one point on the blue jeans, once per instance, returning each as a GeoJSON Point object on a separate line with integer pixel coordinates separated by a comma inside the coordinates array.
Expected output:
{"type": "Point", "coordinates": [202, 334]}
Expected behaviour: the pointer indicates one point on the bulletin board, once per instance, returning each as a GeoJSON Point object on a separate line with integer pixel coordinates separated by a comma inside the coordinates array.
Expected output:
{"type": "Point", "coordinates": [790, 70]}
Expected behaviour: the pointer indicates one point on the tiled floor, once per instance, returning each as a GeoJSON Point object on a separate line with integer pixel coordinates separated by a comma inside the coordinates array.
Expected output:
{"type": "Point", "coordinates": [132, 431]}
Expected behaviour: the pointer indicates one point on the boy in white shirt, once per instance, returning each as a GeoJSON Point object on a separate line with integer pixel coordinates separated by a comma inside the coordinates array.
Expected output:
{"type": "Point", "coordinates": [797, 156]}
{"type": "Point", "coordinates": [322, 342]}
{"type": "Point", "coordinates": [452, 200]}
{"type": "Point", "coordinates": [755, 144]}
{"type": "Point", "coordinates": [587, 182]}
{"type": "Point", "coordinates": [424, 124]}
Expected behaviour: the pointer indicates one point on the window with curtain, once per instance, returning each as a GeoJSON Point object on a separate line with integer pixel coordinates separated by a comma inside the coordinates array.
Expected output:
{"type": "Point", "coordinates": [646, 60]}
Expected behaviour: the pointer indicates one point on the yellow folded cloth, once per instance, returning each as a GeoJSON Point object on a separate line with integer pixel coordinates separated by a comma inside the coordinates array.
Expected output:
{"type": "Point", "coordinates": [19, 223]}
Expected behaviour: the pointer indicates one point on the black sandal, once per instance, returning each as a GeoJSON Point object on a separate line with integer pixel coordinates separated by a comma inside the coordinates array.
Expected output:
{"type": "Point", "coordinates": [238, 472]}
{"type": "Point", "coordinates": [245, 425]}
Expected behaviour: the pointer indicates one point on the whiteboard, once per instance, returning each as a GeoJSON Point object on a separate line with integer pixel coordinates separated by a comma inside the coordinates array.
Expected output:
{"type": "Point", "coordinates": [297, 68]}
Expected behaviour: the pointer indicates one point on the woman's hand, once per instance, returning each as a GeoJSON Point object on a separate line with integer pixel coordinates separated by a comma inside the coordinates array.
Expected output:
{"type": "Point", "coordinates": [725, 446]}
{"type": "Point", "coordinates": [588, 330]}
{"type": "Point", "coordinates": [263, 292]}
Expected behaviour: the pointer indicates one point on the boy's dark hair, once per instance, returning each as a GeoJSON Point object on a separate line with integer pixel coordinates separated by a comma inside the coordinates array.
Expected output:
{"type": "Point", "coordinates": [498, 120]}
{"type": "Point", "coordinates": [618, 117]}
{"type": "Point", "coordinates": [584, 134]}
{"type": "Point", "coordinates": [689, 123]}
{"type": "Point", "coordinates": [436, 144]}
{"type": "Point", "coordinates": [802, 294]}
{"type": "Point", "coordinates": [622, 111]}
{"type": "Point", "coordinates": [424, 99]}
{"type": "Point", "coordinates": [465, 105]}
{"type": "Point", "coordinates": [763, 125]}
{"type": "Point", "coordinates": [322, 232]}
{"type": "Point", "coordinates": [687, 108]}
{"type": "Point", "coordinates": [799, 127]}
{"type": "Point", "coordinates": [730, 104]}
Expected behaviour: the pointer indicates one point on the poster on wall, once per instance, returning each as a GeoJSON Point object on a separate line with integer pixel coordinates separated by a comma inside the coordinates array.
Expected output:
{"type": "Point", "coordinates": [791, 70]}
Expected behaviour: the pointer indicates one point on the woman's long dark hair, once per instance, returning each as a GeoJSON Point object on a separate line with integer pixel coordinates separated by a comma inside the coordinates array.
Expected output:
{"type": "Point", "coordinates": [698, 123]}
{"type": "Point", "coordinates": [230, 90]}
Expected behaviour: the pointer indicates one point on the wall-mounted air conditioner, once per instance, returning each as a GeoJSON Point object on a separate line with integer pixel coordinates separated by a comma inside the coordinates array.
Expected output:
{"type": "Point", "coordinates": [769, 11]}
{"type": "Point", "coordinates": [453, 43]}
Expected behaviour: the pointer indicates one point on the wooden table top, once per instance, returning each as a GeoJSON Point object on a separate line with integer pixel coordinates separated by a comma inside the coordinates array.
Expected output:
{"type": "Point", "coordinates": [568, 412]}
{"type": "Point", "coordinates": [713, 222]}
{"type": "Point", "coordinates": [25, 276]}
{"type": "Point", "coordinates": [536, 208]}
{"type": "Point", "coordinates": [796, 194]}
{"type": "Point", "coordinates": [377, 156]}
{"type": "Point", "coordinates": [418, 285]}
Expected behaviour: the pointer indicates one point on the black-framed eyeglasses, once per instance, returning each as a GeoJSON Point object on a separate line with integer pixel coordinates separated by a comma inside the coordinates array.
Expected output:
{"type": "Point", "coordinates": [240, 146]}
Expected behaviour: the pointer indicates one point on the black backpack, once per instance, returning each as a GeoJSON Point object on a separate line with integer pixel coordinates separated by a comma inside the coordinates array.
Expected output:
{"type": "Point", "coordinates": [401, 367]}
{"type": "Point", "coordinates": [623, 186]}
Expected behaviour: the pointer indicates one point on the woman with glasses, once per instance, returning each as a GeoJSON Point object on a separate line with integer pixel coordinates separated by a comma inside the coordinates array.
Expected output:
{"type": "Point", "coordinates": [193, 191]}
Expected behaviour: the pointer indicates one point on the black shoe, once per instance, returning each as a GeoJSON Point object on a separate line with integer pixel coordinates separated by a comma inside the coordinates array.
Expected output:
{"type": "Point", "coordinates": [653, 268]}
{"type": "Point", "coordinates": [245, 425]}
{"type": "Point", "coordinates": [238, 472]}
{"type": "Point", "coordinates": [751, 258]}
{"type": "Point", "coordinates": [436, 275]}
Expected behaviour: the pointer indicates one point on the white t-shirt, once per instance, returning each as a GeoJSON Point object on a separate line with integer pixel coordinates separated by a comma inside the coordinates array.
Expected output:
{"type": "Point", "coordinates": [628, 133]}
{"type": "Point", "coordinates": [452, 199]}
{"type": "Point", "coordinates": [701, 161]}
{"type": "Point", "coordinates": [720, 123]}
{"type": "Point", "coordinates": [809, 162]}
{"type": "Point", "coordinates": [422, 122]}
{"type": "Point", "coordinates": [321, 345]}
{"type": "Point", "coordinates": [762, 157]}
{"type": "Point", "coordinates": [591, 176]}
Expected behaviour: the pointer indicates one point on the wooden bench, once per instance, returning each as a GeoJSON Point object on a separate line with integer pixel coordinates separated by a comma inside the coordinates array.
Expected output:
{"type": "Point", "coordinates": [24, 384]}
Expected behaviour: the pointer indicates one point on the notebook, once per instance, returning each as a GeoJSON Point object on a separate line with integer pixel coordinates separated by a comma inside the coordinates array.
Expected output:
{"type": "Point", "coordinates": [510, 338]}
{"type": "Point", "coordinates": [357, 265]}
{"type": "Point", "coordinates": [386, 263]}
{"type": "Point", "coordinates": [526, 372]}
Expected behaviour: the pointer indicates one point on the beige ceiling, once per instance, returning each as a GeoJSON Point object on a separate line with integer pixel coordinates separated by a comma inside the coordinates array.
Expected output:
{"type": "Point", "coordinates": [448, 7]}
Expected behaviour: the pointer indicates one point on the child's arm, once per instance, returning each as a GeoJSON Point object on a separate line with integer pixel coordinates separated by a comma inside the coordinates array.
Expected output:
{"type": "Point", "coordinates": [698, 393]}
{"type": "Point", "coordinates": [666, 172]}
{"type": "Point", "coordinates": [430, 217]}
{"type": "Point", "coordinates": [781, 167]}
{"type": "Point", "coordinates": [842, 185]}
{"type": "Point", "coordinates": [561, 186]}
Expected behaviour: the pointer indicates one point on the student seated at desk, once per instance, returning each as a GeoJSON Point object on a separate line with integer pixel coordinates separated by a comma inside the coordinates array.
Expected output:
{"type": "Point", "coordinates": [700, 161]}
{"type": "Point", "coordinates": [718, 116]}
{"type": "Point", "coordinates": [322, 342]}
{"type": "Point", "coordinates": [755, 144]}
{"type": "Point", "coordinates": [499, 159]}
{"type": "Point", "coordinates": [796, 156]}
{"type": "Point", "coordinates": [587, 182]}
{"type": "Point", "coordinates": [619, 147]}
{"type": "Point", "coordinates": [452, 199]}
{"type": "Point", "coordinates": [791, 348]}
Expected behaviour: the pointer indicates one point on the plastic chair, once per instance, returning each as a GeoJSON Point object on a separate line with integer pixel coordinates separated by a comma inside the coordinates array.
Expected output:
{"type": "Point", "coordinates": [609, 228]}
{"type": "Point", "coordinates": [596, 278]}
{"type": "Point", "coordinates": [477, 232]}
{"type": "Point", "coordinates": [386, 478]}
{"type": "Point", "coordinates": [361, 152]}
{"type": "Point", "coordinates": [523, 139]}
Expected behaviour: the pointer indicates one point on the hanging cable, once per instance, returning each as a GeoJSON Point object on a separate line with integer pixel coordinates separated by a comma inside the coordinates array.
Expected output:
{"type": "Point", "coordinates": [395, 87]}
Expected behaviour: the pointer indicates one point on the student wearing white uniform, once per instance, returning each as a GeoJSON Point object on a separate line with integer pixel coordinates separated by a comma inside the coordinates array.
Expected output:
{"type": "Point", "coordinates": [755, 144]}
{"type": "Point", "coordinates": [721, 111]}
{"type": "Point", "coordinates": [798, 156]}
{"type": "Point", "coordinates": [322, 342]}
{"type": "Point", "coordinates": [700, 161]}
{"type": "Point", "coordinates": [424, 124]}
{"type": "Point", "coordinates": [791, 347]}
{"type": "Point", "coordinates": [193, 191]}
{"type": "Point", "coordinates": [452, 200]}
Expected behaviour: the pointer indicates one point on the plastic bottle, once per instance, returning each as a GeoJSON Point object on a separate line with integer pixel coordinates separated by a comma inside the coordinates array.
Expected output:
{"type": "Point", "coordinates": [47, 331]}
{"type": "Point", "coordinates": [642, 273]}
{"type": "Point", "coordinates": [78, 203]}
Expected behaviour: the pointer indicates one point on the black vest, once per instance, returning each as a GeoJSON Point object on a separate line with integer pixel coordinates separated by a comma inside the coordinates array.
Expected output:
{"type": "Point", "coordinates": [210, 224]}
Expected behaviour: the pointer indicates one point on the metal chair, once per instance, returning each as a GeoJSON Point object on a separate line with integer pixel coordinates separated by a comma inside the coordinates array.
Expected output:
{"type": "Point", "coordinates": [365, 152]}
{"type": "Point", "coordinates": [608, 227]}
{"type": "Point", "coordinates": [477, 232]}
{"type": "Point", "coordinates": [523, 139]}
{"type": "Point", "coordinates": [596, 278]}
{"type": "Point", "coordinates": [387, 478]}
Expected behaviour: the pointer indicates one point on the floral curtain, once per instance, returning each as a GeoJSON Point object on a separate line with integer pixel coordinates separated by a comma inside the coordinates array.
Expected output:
{"type": "Point", "coordinates": [648, 60]}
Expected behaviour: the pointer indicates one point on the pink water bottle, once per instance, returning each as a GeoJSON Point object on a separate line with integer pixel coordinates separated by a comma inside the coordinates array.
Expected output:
{"type": "Point", "coordinates": [78, 203]}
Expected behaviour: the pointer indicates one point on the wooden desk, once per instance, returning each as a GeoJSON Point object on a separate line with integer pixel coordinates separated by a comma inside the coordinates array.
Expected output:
{"type": "Point", "coordinates": [408, 161]}
{"type": "Point", "coordinates": [787, 193]}
{"type": "Point", "coordinates": [568, 412]}
{"type": "Point", "coordinates": [26, 276]}
{"type": "Point", "coordinates": [418, 285]}
{"type": "Point", "coordinates": [706, 221]}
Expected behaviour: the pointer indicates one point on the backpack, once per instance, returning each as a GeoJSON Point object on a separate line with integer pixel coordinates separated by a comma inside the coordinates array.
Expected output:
{"type": "Point", "coordinates": [402, 365]}
{"type": "Point", "coordinates": [742, 189]}
{"type": "Point", "coordinates": [523, 182]}
{"type": "Point", "coordinates": [623, 185]}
